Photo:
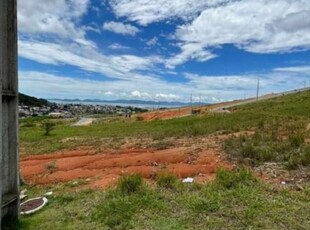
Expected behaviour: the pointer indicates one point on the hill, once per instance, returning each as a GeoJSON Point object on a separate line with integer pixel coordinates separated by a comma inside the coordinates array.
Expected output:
{"type": "Point", "coordinates": [251, 170]}
{"type": "Point", "coordinates": [32, 101]}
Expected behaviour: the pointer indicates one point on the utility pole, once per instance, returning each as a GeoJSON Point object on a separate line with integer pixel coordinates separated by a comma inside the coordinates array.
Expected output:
{"type": "Point", "coordinates": [9, 168]}
{"type": "Point", "coordinates": [257, 92]}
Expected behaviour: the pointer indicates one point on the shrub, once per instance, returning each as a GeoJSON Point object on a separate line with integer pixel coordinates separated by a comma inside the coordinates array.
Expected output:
{"type": "Point", "coordinates": [129, 184]}
{"type": "Point", "coordinates": [292, 163]}
{"type": "Point", "coordinates": [296, 139]}
{"type": "Point", "coordinates": [305, 157]}
{"type": "Point", "coordinates": [140, 118]}
{"type": "Point", "coordinates": [48, 126]}
{"type": "Point", "coordinates": [166, 180]}
{"type": "Point", "coordinates": [231, 179]}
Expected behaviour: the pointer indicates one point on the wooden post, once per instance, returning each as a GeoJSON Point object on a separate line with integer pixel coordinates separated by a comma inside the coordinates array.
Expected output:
{"type": "Point", "coordinates": [9, 170]}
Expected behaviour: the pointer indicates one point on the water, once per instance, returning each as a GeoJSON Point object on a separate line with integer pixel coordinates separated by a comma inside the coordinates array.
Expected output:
{"type": "Point", "coordinates": [150, 106]}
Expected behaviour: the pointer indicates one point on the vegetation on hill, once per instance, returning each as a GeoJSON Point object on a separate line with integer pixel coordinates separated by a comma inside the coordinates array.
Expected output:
{"type": "Point", "coordinates": [32, 101]}
{"type": "Point", "coordinates": [273, 130]}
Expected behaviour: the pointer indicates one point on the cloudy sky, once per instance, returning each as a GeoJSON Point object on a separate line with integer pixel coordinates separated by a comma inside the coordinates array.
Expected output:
{"type": "Point", "coordinates": [162, 49]}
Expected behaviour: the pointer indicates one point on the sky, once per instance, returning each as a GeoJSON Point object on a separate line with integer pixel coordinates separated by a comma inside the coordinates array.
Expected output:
{"type": "Point", "coordinates": [162, 50]}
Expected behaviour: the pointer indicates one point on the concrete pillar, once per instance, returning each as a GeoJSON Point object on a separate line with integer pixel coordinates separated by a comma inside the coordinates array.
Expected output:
{"type": "Point", "coordinates": [9, 169]}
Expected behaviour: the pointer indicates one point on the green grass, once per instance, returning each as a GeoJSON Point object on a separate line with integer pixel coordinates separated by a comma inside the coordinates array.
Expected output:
{"type": "Point", "coordinates": [292, 110]}
{"type": "Point", "coordinates": [235, 200]}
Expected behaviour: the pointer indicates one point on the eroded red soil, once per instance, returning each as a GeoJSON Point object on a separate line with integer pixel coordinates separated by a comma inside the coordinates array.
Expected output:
{"type": "Point", "coordinates": [104, 168]}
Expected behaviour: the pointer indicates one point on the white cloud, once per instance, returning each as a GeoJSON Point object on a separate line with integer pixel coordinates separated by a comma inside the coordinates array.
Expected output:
{"type": "Point", "coordinates": [192, 51]}
{"type": "Point", "coordinates": [116, 46]}
{"type": "Point", "coordinates": [152, 42]}
{"type": "Point", "coordinates": [120, 28]}
{"type": "Point", "coordinates": [57, 17]}
{"type": "Point", "coordinates": [203, 88]}
{"type": "Point", "coordinates": [146, 12]}
{"type": "Point", "coordinates": [298, 69]}
{"type": "Point", "coordinates": [256, 26]}
{"type": "Point", "coordinates": [167, 97]}
{"type": "Point", "coordinates": [109, 93]}
{"type": "Point", "coordinates": [139, 94]}
{"type": "Point", "coordinates": [86, 58]}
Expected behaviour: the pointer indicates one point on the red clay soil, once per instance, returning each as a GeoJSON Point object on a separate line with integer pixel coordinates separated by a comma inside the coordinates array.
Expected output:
{"type": "Point", "coordinates": [184, 111]}
{"type": "Point", "coordinates": [103, 169]}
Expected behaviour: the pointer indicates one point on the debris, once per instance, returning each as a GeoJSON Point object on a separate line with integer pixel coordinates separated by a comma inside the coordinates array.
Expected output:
{"type": "Point", "coordinates": [32, 205]}
{"type": "Point", "coordinates": [283, 182]}
{"type": "Point", "coordinates": [49, 193]}
{"type": "Point", "coordinates": [188, 180]}
{"type": "Point", "coordinates": [299, 187]}
{"type": "Point", "coordinates": [23, 194]}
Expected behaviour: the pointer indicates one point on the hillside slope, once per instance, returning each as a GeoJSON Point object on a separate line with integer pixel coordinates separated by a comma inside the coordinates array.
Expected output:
{"type": "Point", "coordinates": [31, 101]}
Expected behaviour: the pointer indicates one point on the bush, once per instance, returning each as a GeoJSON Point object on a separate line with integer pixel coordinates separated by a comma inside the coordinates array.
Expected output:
{"type": "Point", "coordinates": [305, 157]}
{"type": "Point", "coordinates": [296, 139]}
{"type": "Point", "coordinates": [292, 164]}
{"type": "Point", "coordinates": [231, 179]}
{"type": "Point", "coordinates": [129, 184]}
{"type": "Point", "coordinates": [48, 126]}
{"type": "Point", "coordinates": [140, 118]}
{"type": "Point", "coordinates": [166, 180]}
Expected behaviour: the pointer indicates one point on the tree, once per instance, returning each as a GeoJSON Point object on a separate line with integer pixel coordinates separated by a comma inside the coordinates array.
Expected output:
{"type": "Point", "coordinates": [48, 126]}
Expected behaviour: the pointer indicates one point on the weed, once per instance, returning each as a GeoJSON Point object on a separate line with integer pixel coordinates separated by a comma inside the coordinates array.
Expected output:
{"type": "Point", "coordinates": [292, 164]}
{"type": "Point", "coordinates": [129, 184]}
{"type": "Point", "coordinates": [160, 145]}
{"type": "Point", "coordinates": [166, 180]}
{"type": "Point", "coordinates": [305, 157]}
{"type": "Point", "coordinates": [139, 118]}
{"type": "Point", "coordinates": [229, 179]}
{"type": "Point", "coordinates": [296, 139]}
{"type": "Point", "coordinates": [51, 166]}
{"type": "Point", "coordinates": [206, 204]}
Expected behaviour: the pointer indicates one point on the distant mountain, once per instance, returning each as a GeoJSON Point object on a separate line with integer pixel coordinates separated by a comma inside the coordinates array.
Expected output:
{"type": "Point", "coordinates": [130, 102]}
{"type": "Point", "coordinates": [32, 101]}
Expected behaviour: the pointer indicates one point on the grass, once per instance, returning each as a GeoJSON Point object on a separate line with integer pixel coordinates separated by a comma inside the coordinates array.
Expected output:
{"type": "Point", "coordinates": [235, 200]}
{"type": "Point", "coordinates": [166, 180]}
{"type": "Point", "coordinates": [291, 109]}
{"type": "Point", "coordinates": [278, 142]}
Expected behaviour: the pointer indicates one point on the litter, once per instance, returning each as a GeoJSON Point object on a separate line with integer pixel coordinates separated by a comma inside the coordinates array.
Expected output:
{"type": "Point", "coordinates": [188, 180]}
{"type": "Point", "coordinates": [49, 193]}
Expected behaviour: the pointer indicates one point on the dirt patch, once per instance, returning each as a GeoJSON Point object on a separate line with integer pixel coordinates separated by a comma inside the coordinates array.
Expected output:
{"type": "Point", "coordinates": [104, 168]}
{"type": "Point", "coordinates": [187, 111]}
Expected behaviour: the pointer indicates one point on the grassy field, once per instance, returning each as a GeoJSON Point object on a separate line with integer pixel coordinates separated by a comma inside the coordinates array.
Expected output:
{"type": "Point", "coordinates": [235, 200]}
{"type": "Point", "coordinates": [289, 113]}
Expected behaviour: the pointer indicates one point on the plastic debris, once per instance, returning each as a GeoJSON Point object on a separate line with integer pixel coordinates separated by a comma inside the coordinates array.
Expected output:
{"type": "Point", "coordinates": [188, 180]}
{"type": "Point", "coordinates": [49, 193]}
{"type": "Point", "coordinates": [23, 194]}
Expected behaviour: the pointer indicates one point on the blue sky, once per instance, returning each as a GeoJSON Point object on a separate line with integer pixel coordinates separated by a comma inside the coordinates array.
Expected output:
{"type": "Point", "coordinates": [162, 50]}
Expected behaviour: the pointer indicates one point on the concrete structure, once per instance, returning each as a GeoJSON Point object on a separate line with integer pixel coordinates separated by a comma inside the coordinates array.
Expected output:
{"type": "Point", "coordinates": [9, 186]}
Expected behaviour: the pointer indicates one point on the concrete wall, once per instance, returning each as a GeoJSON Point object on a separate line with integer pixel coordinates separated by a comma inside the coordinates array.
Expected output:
{"type": "Point", "coordinates": [9, 170]}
